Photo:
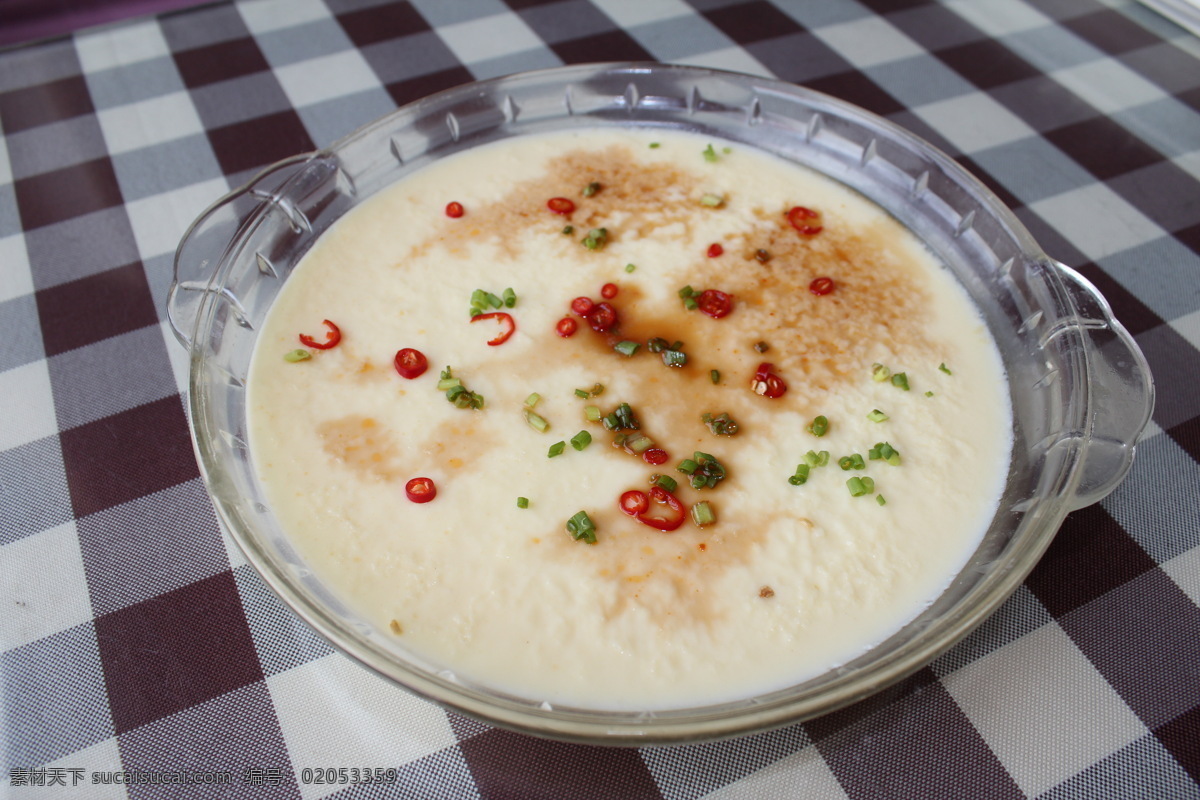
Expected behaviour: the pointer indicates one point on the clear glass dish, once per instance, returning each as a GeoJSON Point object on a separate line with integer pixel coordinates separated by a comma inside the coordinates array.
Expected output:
{"type": "Point", "coordinates": [1081, 390]}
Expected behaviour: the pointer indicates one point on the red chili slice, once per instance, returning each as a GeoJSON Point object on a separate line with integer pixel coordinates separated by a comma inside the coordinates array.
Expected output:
{"type": "Point", "coordinates": [822, 286]}
{"type": "Point", "coordinates": [715, 250]}
{"type": "Point", "coordinates": [602, 317]}
{"type": "Point", "coordinates": [332, 337]}
{"type": "Point", "coordinates": [634, 502]}
{"type": "Point", "coordinates": [655, 456]}
{"type": "Point", "coordinates": [411, 363]}
{"type": "Point", "coordinates": [560, 205]}
{"type": "Point", "coordinates": [506, 322]}
{"type": "Point", "coordinates": [715, 303]}
{"type": "Point", "coordinates": [767, 383]}
{"type": "Point", "coordinates": [455, 210]}
{"type": "Point", "coordinates": [667, 524]}
{"type": "Point", "coordinates": [608, 291]}
{"type": "Point", "coordinates": [566, 327]}
{"type": "Point", "coordinates": [582, 305]}
{"type": "Point", "coordinates": [420, 490]}
{"type": "Point", "coordinates": [802, 219]}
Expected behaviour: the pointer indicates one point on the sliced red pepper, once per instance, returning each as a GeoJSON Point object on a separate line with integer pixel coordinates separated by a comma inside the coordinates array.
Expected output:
{"type": "Point", "coordinates": [805, 220]}
{"type": "Point", "coordinates": [634, 502]}
{"type": "Point", "coordinates": [601, 317]}
{"type": "Point", "coordinates": [715, 303]}
{"type": "Point", "coordinates": [560, 205]}
{"type": "Point", "coordinates": [608, 291]}
{"type": "Point", "coordinates": [822, 286]}
{"type": "Point", "coordinates": [411, 363]}
{"type": "Point", "coordinates": [667, 524]}
{"type": "Point", "coordinates": [715, 250]}
{"type": "Point", "coordinates": [582, 305]}
{"type": "Point", "coordinates": [655, 456]}
{"type": "Point", "coordinates": [420, 490]}
{"type": "Point", "coordinates": [332, 337]}
{"type": "Point", "coordinates": [566, 327]}
{"type": "Point", "coordinates": [455, 210]}
{"type": "Point", "coordinates": [508, 325]}
{"type": "Point", "coordinates": [767, 383]}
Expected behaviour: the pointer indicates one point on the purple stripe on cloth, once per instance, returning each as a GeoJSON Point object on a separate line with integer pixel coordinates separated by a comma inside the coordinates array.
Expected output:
{"type": "Point", "coordinates": [176, 650]}
{"type": "Point", "coordinates": [509, 766]}
{"type": "Point", "coordinates": [27, 20]}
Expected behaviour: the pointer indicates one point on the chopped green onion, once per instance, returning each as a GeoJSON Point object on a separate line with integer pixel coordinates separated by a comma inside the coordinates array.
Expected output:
{"type": "Point", "coordinates": [556, 449]}
{"type": "Point", "coordinates": [591, 189]}
{"type": "Point", "coordinates": [448, 383]}
{"type": "Point", "coordinates": [674, 358]}
{"type": "Point", "coordinates": [296, 355]}
{"type": "Point", "coordinates": [597, 390]}
{"type": "Point", "coordinates": [813, 459]}
{"type": "Point", "coordinates": [709, 154]}
{"type": "Point", "coordinates": [687, 466]}
{"type": "Point", "coordinates": [665, 481]}
{"type": "Point", "coordinates": [705, 470]}
{"type": "Point", "coordinates": [879, 499]}
{"type": "Point", "coordinates": [581, 440]}
{"type": "Point", "coordinates": [522, 502]}
{"type": "Point", "coordinates": [536, 421]}
{"type": "Point", "coordinates": [801, 475]}
{"type": "Point", "coordinates": [852, 461]}
{"type": "Point", "coordinates": [856, 487]}
{"type": "Point", "coordinates": [454, 391]}
{"type": "Point", "coordinates": [819, 426]}
{"type": "Point", "coordinates": [721, 425]}
{"type": "Point", "coordinates": [637, 443]}
{"type": "Point", "coordinates": [596, 239]}
{"type": "Point", "coordinates": [868, 483]}
{"type": "Point", "coordinates": [626, 348]}
{"type": "Point", "coordinates": [582, 393]}
{"type": "Point", "coordinates": [944, 368]}
{"type": "Point", "coordinates": [690, 303]}
{"type": "Point", "coordinates": [900, 380]}
{"type": "Point", "coordinates": [687, 292]}
{"type": "Point", "coordinates": [726, 150]}
{"type": "Point", "coordinates": [702, 514]}
{"type": "Point", "coordinates": [582, 528]}
{"type": "Point", "coordinates": [568, 230]}
{"type": "Point", "coordinates": [533, 399]}
{"type": "Point", "coordinates": [630, 267]}
{"type": "Point", "coordinates": [655, 145]}
{"type": "Point", "coordinates": [929, 394]}
{"type": "Point", "coordinates": [761, 347]}
{"type": "Point", "coordinates": [880, 373]}
{"type": "Point", "coordinates": [712, 200]}
{"type": "Point", "coordinates": [592, 413]}
{"type": "Point", "coordinates": [457, 393]}
{"type": "Point", "coordinates": [714, 376]}
{"type": "Point", "coordinates": [877, 416]}
{"type": "Point", "coordinates": [509, 297]}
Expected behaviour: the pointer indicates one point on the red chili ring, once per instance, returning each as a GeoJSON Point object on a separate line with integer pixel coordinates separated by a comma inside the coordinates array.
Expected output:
{"type": "Point", "coordinates": [560, 205]}
{"type": "Point", "coordinates": [715, 250]}
{"type": "Point", "coordinates": [566, 327]}
{"type": "Point", "coordinates": [822, 286]}
{"type": "Point", "coordinates": [582, 305]}
{"type": "Point", "coordinates": [634, 502]}
{"type": "Point", "coordinates": [420, 490]}
{"type": "Point", "coordinates": [411, 363]}
{"type": "Point", "coordinates": [608, 291]}
{"type": "Point", "coordinates": [455, 210]}
{"type": "Point", "coordinates": [655, 456]}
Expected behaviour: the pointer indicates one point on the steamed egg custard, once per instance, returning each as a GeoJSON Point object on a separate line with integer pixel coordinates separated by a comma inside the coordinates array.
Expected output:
{"type": "Point", "coordinates": [628, 419]}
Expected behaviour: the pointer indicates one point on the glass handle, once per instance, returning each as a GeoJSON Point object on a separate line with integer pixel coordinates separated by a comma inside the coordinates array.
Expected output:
{"type": "Point", "coordinates": [203, 247]}
{"type": "Point", "coordinates": [1121, 396]}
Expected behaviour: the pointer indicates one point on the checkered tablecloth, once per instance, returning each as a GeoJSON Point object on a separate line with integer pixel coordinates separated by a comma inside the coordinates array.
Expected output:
{"type": "Point", "coordinates": [137, 646]}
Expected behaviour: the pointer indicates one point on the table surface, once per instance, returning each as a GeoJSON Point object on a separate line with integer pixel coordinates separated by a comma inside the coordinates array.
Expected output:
{"type": "Point", "coordinates": [133, 635]}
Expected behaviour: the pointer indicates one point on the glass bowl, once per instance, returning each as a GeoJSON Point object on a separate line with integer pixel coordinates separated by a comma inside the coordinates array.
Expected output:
{"type": "Point", "coordinates": [1081, 391]}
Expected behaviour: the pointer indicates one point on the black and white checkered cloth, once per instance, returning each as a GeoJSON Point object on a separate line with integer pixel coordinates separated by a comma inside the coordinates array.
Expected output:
{"type": "Point", "coordinates": [133, 635]}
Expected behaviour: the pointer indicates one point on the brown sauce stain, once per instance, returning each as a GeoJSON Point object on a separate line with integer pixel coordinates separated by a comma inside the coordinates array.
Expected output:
{"type": "Point", "coordinates": [361, 444]}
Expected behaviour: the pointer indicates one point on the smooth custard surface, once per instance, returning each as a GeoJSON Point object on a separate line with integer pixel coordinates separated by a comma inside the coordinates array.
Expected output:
{"type": "Point", "coordinates": [790, 580]}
